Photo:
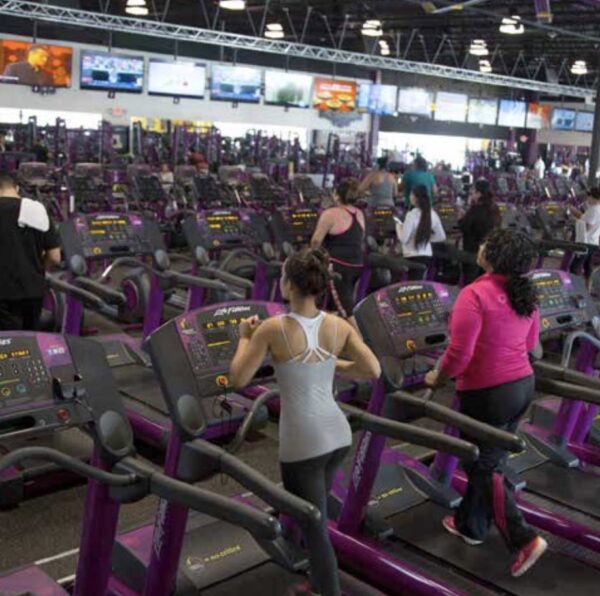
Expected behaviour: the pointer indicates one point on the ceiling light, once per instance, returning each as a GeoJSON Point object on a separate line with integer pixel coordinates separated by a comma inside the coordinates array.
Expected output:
{"type": "Point", "coordinates": [485, 66]}
{"type": "Point", "coordinates": [372, 32]}
{"type": "Point", "coordinates": [136, 3]}
{"type": "Point", "coordinates": [373, 24]}
{"type": "Point", "coordinates": [232, 4]}
{"type": "Point", "coordinates": [138, 11]}
{"type": "Point", "coordinates": [478, 48]}
{"type": "Point", "coordinates": [274, 27]}
{"type": "Point", "coordinates": [372, 28]}
{"type": "Point", "coordinates": [512, 25]}
{"type": "Point", "coordinates": [275, 34]}
{"type": "Point", "coordinates": [385, 51]}
{"type": "Point", "coordinates": [579, 67]}
{"type": "Point", "coordinates": [383, 43]}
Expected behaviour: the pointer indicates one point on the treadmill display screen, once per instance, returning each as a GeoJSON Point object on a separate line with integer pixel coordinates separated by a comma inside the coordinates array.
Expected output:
{"type": "Point", "coordinates": [304, 221]}
{"type": "Point", "coordinates": [15, 354]}
{"type": "Point", "coordinates": [22, 370]}
{"type": "Point", "coordinates": [224, 221]}
{"type": "Point", "coordinates": [550, 292]}
{"type": "Point", "coordinates": [108, 227]}
{"type": "Point", "coordinates": [417, 306]}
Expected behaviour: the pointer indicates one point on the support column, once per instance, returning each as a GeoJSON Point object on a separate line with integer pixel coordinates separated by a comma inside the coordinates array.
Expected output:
{"type": "Point", "coordinates": [375, 122]}
{"type": "Point", "coordinates": [595, 150]}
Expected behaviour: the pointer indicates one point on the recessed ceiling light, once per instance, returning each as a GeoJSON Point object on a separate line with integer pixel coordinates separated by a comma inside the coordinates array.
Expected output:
{"type": "Point", "coordinates": [232, 4]}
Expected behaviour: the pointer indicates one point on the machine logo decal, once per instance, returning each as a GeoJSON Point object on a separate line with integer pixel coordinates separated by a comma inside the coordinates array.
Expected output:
{"type": "Point", "coordinates": [6, 341]}
{"type": "Point", "coordinates": [360, 459]}
{"type": "Point", "coordinates": [159, 532]}
{"type": "Point", "coordinates": [228, 310]}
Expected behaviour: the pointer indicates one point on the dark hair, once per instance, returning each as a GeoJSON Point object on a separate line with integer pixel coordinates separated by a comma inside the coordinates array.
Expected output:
{"type": "Point", "coordinates": [347, 190]}
{"type": "Point", "coordinates": [488, 202]}
{"type": "Point", "coordinates": [423, 235]}
{"type": "Point", "coordinates": [308, 271]}
{"type": "Point", "coordinates": [421, 163]}
{"type": "Point", "coordinates": [382, 163]}
{"type": "Point", "coordinates": [7, 180]}
{"type": "Point", "coordinates": [510, 253]}
{"type": "Point", "coordinates": [594, 192]}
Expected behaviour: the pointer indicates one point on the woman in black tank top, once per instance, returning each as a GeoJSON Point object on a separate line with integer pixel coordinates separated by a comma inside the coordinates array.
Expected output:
{"type": "Point", "coordinates": [346, 250]}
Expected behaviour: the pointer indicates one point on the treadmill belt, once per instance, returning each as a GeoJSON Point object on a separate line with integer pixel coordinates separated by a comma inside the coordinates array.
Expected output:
{"type": "Point", "coordinates": [422, 528]}
{"type": "Point", "coordinates": [569, 486]}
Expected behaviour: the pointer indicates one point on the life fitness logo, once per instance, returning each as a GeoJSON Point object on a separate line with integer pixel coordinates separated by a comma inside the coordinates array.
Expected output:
{"type": "Point", "coordinates": [229, 310]}
{"type": "Point", "coordinates": [405, 289]}
{"type": "Point", "coordinates": [6, 342]}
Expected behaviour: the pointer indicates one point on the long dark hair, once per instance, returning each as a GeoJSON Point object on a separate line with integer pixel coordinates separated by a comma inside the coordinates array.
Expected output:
{"type": "Point", "coordinates": [347, 191]}
{"type": "Point", "coordinates": [308, 271]}
{"type": "Point", "coordinates": [511, 253]}
{"type": "Point", "coordinates": [488, 202]}
{"type": "Point", "coordinates": [423, 235]}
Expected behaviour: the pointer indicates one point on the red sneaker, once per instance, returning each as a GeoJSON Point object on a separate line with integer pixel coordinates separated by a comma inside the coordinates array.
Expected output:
{"type": "Point", "coordinates": [528, 556]}
{"type": "Point", "coordinates": [450, 526]}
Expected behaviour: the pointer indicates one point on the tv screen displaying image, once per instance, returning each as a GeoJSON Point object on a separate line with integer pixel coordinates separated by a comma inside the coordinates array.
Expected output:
{"type": "Point", "coordinates": [512, 113]}
{"type": "Point", "coordinates": [584, 121]}
{"type": "Point", "coordinates": [177, 79]}
{"type": "Point", "coordinates": [35, 65]}
{"type": "Point", "coordinates": [235, 83]}
{"type": "Point", "coordinates": [414, 100]}
{"type": "Point", "coordinates": [563, 119]}
{"type": "Point", "coordinates": [377, 99]}
{"type": "Point", "coordinates": [451, 107]}
{"type": "Point", "coordinates": [538, 116]}
{"type": "Point", "coordinates": [111, 72]}
{"type": "Point", "coordinates": [335, 95]}
{"type": "Point", "coordinates": [483, 111]}
{"type": "Point", "coordinates": [288, 89]}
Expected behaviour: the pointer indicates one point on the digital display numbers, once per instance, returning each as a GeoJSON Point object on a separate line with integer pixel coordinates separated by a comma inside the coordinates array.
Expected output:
{"type": "Point", "coordinates": [220, 220]}
{"type": "Point", "coordinates": [15, 354]}
{"type": "Point", "coordinates": [299, 217]}
{"type": "Point", "coordinates": [550, 292]}
{"type": "Point", "coordinates": [408, 298]}
{"type": "Point", "coordinates": [102, 226]}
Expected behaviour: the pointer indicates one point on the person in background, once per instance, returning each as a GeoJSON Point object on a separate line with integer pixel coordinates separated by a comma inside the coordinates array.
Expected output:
{"type": "Point", "coordinates": [30, 71]}
{"type": "Point", "coordinates": [493, 326]}
{"type": "Point", "coordinates": [539, 168]}
{"type": "Point", "coordinates": [341, 231]}
{"type": "Point", "coordinates": [587, 231]}
{"type": "Point", "coordinates": [28, 246]}
{"type": "Point", "coordinates": [308, 348]}
{"type": "Point", "coordinates": [421, 227]}
{"type": "Point", "coordinates": [167, 178]}
{"type": "Point", "coordinates": [381, 184]}
{"type": "Point", "coordinates": [418, 176]}
{"type": "Point", "coordinates": [480, 219]}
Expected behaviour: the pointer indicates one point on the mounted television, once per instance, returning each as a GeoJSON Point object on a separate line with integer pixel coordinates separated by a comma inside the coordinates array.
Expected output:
{"type": "Point", "coordinates": [584, 121]}
{"type": "Point", "coordinates": [414, 100]}
{"type": "Point", "coordinates": [176, 79]}
{"type": "Point", "coordinates": [563, 119]}
{"type": "Point", "coordinates": [335, 95]}
{"type": "Point", "coordinates": [235, 83]}
{"type": "Point", "coordinates": [451, 107]}
{"type": "Point", "coordinates": [35, 65]}
{"type": "Point", "coordinates": [512, 113]}
{"type": "Point", "coordinates": [538, 116]}
{"type": "Point", "coordinates": [288, 89]}
{"type": "Point", "coordinates": [111, 72]}
{"type": "Point", "coordinates": [483, 111]}
{"type": "Point", "coordinates": [377, 99]}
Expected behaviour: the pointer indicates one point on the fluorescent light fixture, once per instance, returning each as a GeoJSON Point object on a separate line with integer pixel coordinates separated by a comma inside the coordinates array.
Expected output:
{"type": "Point", "coordinates": [485, 66]}
{"type": "Point", "coordinates": [136, 3]}
{"type": "Point", "coordinates": [274, 34]}
{"type": "Point", "coordinates": [232, 4]}
{"type": "Point", "coordinates": [274, 27]}
{"type": "Point", "coordinates": [372, 24]}
{"type": "Point", "coordinates": [372, 28]}
{"type": "Point", "coordinates": [579, 67]}
{"type": "Point", "coordinates": [512, 25]}
{"type": "Point", "coordinates": [478, 48]}
{"type": "Point", "coordinates": [385, 51]}
{"type": "Point", "coordinates": [383, 43]}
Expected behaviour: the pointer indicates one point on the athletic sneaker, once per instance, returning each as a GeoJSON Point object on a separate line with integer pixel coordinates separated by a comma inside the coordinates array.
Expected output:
{"type": "Point", "coordinates": [528, 556]}
{"type": "Point", "coordinates": [450, 526]}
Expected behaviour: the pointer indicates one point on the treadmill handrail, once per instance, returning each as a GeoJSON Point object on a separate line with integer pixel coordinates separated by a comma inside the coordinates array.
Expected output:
{"type": "Point", "coordinates": [86, 297]}
{"type": "Point", "coordinates": [225, 276]}
{"type": "Point", "coordinates": [568, 390]}
{"type": "Point", "coordinates": [569, 342]}
{"type": "Point", "coordinates": [555, 372]}
{"type": "Point", "coordinates": [258, 523]}
{"type": "Point", "coordinates": [106, 293]}
{"type": "Point", "coordinates": [124, 262]}
{"type": "Point", "coordinates": [190, 281]}
{"type": "Point", "coordinates": [250, 478]}
{"type": "Point", "coordinates": [394, 263]}
{"type": "Point", "coordinates": [412, 434]}
{"type": "Point", "coordinates": [241, 252]}
{"type": "Point", "coordinates": [471, 427]}
{"type": "Point", "coordinates": [556, 244]}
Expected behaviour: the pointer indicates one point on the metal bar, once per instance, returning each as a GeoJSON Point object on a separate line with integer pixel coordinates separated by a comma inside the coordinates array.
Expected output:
{"type": "Point", "coordinates": [205, 13]}
{"type": "Point", "coordinates": [595, 149]}
{"type": "Point", "coordinates": [308, 13]}
{"type": "Point", "coordinates": [251, 21]}
{"type": "Point", "coordinates": [263, 21]}
{"type": "Point", "coordinates": [343, 35]}
{"type": "Point", "coordinates": [409, 44]}
{"type": "Point", "coordinates": [216, 17]}
{"type": "Point", "coordinates": [459, 6]}
{"type": "Point", "coordinates": [331, 35]}
{"type": "Point", "coordinates": [290, 23]}
{"type": "Point", "coordinates": [166, 10]}
{"type": "Point", "coordinates": [93, 20]}
{"type": "Point", "coordinates": [439, 48]}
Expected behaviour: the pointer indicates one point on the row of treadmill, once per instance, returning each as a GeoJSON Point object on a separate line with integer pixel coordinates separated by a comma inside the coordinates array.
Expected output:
{"type": "Point", "coordinates": [152, 373]}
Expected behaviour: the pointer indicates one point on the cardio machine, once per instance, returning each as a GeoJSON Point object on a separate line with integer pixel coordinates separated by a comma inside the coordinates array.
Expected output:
{"type": "Point", "coordinates": [88, 192]}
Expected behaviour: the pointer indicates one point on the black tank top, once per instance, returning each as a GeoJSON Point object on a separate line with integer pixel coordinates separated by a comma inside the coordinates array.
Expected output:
{"type": "Point", "coordinates": [347, 248]}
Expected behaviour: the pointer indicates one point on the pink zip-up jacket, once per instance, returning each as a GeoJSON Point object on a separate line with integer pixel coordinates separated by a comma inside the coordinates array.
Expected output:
{"type": "Point", "coordinates": [489, 341]}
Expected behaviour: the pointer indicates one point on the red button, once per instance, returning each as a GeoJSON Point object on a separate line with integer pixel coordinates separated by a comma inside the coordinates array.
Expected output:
{"type": "Point", "coordinates": [222, 381]}
{"type": "Point", "coordinates": [63, 415]}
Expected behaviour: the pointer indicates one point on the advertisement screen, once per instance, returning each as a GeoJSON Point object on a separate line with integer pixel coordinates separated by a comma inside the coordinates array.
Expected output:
{"type": "Point", "coordinates": [512, 113]}
{"type": "Point", "coordinates": [414, 100]}
{"type": "Point", "coordinates": [288, 89]}
{"type": "Point", "coordinates": [378, 99]}
{"type": "Point", "coordinates": [483, 111]}
{"type": "Point", "coordinates": [563, 119]}
{"type": "Point", "coordinates": [584, 121]}
{"type": "Point", "coordinates": [36, 65]}
{"type": "Point", "coordinates": [538, 116]}
{"type": "Point", "coordinates": [178, 79]}
{"type": "Point", "coordinates": [335, 95]}
{"type": "Point", "coordinates": [235, 83]}
{"type": "Point", "coordinates": [451, 107]}
{"type": "Point", "coordinates": [112, 72]}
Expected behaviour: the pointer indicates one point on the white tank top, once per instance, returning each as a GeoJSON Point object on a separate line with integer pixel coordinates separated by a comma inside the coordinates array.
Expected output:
{"type": "Point", "coordinates": [311, 423]}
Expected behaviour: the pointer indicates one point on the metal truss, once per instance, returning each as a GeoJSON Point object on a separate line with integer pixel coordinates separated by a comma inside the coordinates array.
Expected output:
{"type": "Point", "coordinates": [85, 19]}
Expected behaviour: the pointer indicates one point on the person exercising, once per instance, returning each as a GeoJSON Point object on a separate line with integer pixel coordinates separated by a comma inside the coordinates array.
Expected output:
{"type": "Point", "coordinates": [341, 231]}
{"type": "Point", "coordinates": [308, 347]}
{"type": "Point", "coordinates": [493, 327]}
{"type": "Point", "coordinates": [28, 245]}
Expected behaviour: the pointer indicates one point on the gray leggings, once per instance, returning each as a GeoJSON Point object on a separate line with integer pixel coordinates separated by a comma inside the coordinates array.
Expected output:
{"type": "Point", "coordinates": [311, 479]}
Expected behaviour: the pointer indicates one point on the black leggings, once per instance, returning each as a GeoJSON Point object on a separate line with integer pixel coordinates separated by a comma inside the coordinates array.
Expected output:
{"type": "Point", "coordinates": [415, 274]}
{"type": "Point", "coordinates": [20, 315]}
{"type": "Point", "coordinates": [342, 289]}
{"type": "Point", "coordinates": [488, 497]}
{"type": "Point", "coordinates": [311, 479]}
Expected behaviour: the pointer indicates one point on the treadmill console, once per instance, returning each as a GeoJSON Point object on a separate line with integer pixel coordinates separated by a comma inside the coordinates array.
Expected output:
{"type": "Point", "coordinates": [449, 217]}
{"type": "Point", "coordinates": [208, 337]}
{"type": "Point", "coordinates": [294, 225]}
{"type": "Point", "coordinates": [110, 235]}
{"type": "Point", "coordinates": [381, 222]}
{"type": "Point", "coordinates": [563, 299]}
{"type": "Point", "coordinates": [513, 218]}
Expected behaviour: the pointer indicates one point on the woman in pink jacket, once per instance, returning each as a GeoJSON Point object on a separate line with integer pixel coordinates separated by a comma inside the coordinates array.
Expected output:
{"type": "Point", "coordinates": [493, 327]}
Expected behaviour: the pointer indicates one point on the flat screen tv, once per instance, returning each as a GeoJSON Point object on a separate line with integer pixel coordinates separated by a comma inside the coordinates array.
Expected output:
{"type": "Point", "coordinates": [235, 83]}
{"type": "Point", "coordinates": [512, 113]}
{"type": "Point", "coordinates": [483, 111]}
{"type": "Point", "coordinates": [35, 65]}
{"type": "Point", "coordinates": [378, 99]}
{"type": "Point", "coordinates": [451, 107]}
{"type": "Point", "coordinates": [105, 71]}
{"type": "Point", "coordinates": [563, 119]}
{"type": "Point", "coordinates": [538, 116]}
{"type": "Point", "coordinates": [176, 79]}
{"type": "Point", "coordinates": [289, 89]}
{"type": "Point", "coordinates": [584, 121]}
{"type": "Point", "coordinates": [335, 95]}
{"type": "Point", "coordinates": [414, 100]}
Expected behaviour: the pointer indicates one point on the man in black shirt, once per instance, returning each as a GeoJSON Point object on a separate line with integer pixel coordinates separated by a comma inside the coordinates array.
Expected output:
{"type": "Point", "coordinates": [28, 245]}
{"type": "Point", "coordinates": [31, 71]}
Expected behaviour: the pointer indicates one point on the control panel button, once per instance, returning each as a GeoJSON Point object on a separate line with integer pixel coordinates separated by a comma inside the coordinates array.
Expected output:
{"type": "Point", "coordinates": [222, 381]}
{"type": "Point", "coordinates": [5, 391]}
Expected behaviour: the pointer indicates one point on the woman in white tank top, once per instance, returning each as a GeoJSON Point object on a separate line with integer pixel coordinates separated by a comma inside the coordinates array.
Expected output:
{"type": "Point", "coordinates": [308, 348]}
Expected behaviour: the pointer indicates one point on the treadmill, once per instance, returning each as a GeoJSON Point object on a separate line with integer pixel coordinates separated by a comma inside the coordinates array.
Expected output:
{"type": "Point", "coordinates": [399, 322]}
